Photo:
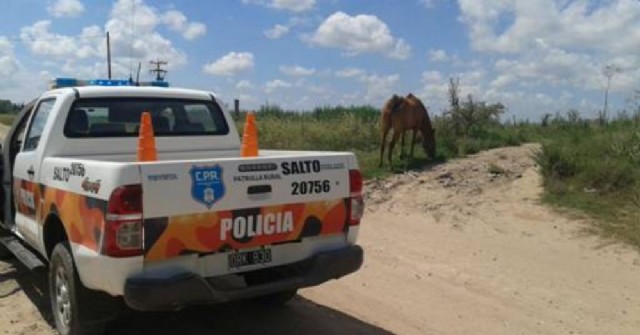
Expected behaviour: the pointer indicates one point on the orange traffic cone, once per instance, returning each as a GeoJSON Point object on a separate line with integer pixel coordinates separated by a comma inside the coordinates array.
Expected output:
{"type": "Point", "coordinates": [249, 137]}
{"type": "Point", "coordinates": [146, 140]}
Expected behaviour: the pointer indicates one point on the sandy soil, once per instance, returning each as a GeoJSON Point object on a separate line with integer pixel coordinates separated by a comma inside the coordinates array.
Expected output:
{"type": "Point", "coordinates": [450, 250]}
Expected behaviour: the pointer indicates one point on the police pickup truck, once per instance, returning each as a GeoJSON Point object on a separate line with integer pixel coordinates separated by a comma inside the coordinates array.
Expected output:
{"type": "Point", "coordinates": [199, 225]}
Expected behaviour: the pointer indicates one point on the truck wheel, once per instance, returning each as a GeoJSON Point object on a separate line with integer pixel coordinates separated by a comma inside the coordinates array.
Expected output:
{"type": "Point", "coordinates": [65, 290]}
{"type": "Point", "coordinates": [279, 298]}
{"type": "Point", "coordinates": [4, 252]}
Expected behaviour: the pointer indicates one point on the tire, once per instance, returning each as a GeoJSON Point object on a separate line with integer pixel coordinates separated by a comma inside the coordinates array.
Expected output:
{"type": "Point", "coordinates": [65, 291]}
{"type": "Point", "coordinates": [279, 298]}
{"type": "Point", "coordinates": [4, 252]}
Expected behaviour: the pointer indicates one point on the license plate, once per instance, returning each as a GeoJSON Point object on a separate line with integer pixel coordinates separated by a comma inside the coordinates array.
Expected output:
{"type": "Point", "coordinates": [246, 258]}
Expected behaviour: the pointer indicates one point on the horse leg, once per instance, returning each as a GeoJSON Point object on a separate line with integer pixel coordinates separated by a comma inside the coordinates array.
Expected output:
{"type": "Point", "coordinates": [385, 132]}
{"type": "Point", "coordinates": [402, 155]}
{"type": "Point", "coordinates": [413, 141]}
{"type": "Point", "coordinates": [394, 139]}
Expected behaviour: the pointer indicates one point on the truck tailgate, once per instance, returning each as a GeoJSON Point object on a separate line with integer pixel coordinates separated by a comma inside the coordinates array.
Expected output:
{"type": "Point", "coordinates": [217, 205]}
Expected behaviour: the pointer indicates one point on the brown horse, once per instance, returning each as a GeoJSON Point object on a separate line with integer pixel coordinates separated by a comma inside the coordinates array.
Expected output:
{"type": "Point", "coordinates": [402, 114]}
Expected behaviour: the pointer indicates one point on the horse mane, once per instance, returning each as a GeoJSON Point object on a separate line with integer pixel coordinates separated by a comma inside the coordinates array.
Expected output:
{"type": "Point", "coordinates": [416, 101]}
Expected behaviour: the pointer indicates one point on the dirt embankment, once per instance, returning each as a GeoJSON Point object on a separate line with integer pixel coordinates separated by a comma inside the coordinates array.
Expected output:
{"type": "Point", "coordinates": [451, 250]}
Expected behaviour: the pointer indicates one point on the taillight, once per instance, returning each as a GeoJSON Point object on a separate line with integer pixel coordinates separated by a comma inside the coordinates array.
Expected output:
{"type": "Point", "coordinates": [123, 225]}
{"type": "Point", "coordinates": [356, 205]}
{"type": "Point", "coordinates": [355, 182]}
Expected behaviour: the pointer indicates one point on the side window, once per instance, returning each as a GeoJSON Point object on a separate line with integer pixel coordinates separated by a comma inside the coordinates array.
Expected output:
{"type": "Point", "coordinates": [38, 121]}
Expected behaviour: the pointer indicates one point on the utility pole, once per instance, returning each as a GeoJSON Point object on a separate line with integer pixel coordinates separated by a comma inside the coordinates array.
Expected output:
{"type": "Point", "coordinates": [108, 56]}
{"type": "Point", "coordinates": [138, 74]}
{"type": "Point", "coordinates": [158, 70]}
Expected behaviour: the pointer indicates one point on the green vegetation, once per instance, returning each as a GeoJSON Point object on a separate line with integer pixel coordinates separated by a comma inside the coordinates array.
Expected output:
{"type": "Point", "coordinates": [6, 106]}
{"type": "Point", "coordinates": [589, 165]}
{"type": "Point", "coordinates": [328, 128]}
{"type": "Point", "coordinates": [596, 169]}
{"type": "Point", "coordinates": [6, 119]}
{"type": "Point", "coordinates": [357, 129]}
{"type": "Point", "coordinates": [8, 111]}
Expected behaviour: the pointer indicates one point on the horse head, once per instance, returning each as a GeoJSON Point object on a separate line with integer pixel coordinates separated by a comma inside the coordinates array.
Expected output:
{"type": "Point", "coordinates": [428, 133]}
{"type": "Point", "coordinates": [428, 139]}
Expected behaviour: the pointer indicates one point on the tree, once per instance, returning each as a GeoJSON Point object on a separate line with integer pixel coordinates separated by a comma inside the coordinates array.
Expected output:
{"type": "Point", "coordinates": [609, 71]}
{"type": "Point", "coordinates": [454, 101]}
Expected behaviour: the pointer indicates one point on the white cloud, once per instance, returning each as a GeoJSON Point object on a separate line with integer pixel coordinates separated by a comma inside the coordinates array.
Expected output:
{"type": "Point", "coordinates": [609, 27]}
{"type": "Point", "coordinates": [554, 67]}
{"type": "Point", "coordinates": [276, 32]}
{"type": "Point", "coordinates": [359, 34]}
{"type": "Point", "coordinates": [294, 5]}
{"type": "Point", "coordinates": [95, 69]}
{"type": "Point", "coordinates": [379, 88]}
{"type": "Point", "coordinates": [350, 73]}
{"type": "Point", "coordinates": [8, 63]}
{"type": "Point", "coordinates": [194, 30]}
{"type": "Point", "coordinates": [230, 64]}
{"type": "Point", "coordinates": [129, 44]}
{"type": "Point", "coordinates": [246, 99]}
{"type": "Point", "coordinates": [174, 19]}
{"type": "Point", "coordinates": [244, 85]}
{"type": "Point", "coordinates": [556, 45]}
{"type": "Point", "coordinates": [177, 21]}
{"type": "Point", "coordinates": [279, 30]}
{"type": "Point", "coordinates": [432, 76]}
{"type": "Point", "coordinates": [142, 41]}
{"type": "Point", "coordinates": [441, 56]}
{"type": "Point", "coordinates": [41, 41]}
{"type": "Point", "coordinates": [549, 66]}
{"type": "Point", "coordinates": [297, 71]}
{"type": "Point", "coordinates": [66, 8]}
{"type": "Point", "coordinates": [290, 5]}
{"type": "Point", "coordinates": [276, 84]}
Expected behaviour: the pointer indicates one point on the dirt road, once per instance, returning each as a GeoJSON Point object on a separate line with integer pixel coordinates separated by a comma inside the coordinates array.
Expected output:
{"type": "Point", "coordinates": [451, 250]}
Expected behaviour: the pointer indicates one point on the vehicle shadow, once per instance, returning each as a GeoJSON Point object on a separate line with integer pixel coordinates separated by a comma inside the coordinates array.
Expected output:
{"type": "Point", "coordinates": [34, 285]}
{"type": "Point", "coordinates": [300, 316]}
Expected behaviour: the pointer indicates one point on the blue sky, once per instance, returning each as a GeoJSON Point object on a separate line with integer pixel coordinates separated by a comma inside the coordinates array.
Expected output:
{"type": "Point", "coordinates": [535, 56]}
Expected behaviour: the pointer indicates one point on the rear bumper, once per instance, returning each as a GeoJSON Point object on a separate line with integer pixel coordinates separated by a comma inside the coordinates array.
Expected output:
{"type": "Point", "coordinates": [184, 289]}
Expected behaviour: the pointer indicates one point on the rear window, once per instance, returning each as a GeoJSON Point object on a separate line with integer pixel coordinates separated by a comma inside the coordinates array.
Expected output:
{"type": "Point", "coordinates": [120, 117]}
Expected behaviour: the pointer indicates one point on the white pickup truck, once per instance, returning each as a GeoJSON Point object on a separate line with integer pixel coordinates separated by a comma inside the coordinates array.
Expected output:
{"type": "Point", "coordinates": [199, 225]}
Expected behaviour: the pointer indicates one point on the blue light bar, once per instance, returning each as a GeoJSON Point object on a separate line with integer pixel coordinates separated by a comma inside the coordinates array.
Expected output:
{"type": "Point", "coordinates": [64, 82]}
{"type": "Point", "coordinates": [109, 82]}
{"type": "Point", "coordinates": [73, 82]}
{"type": "Point", "coordinates": [158, 83]}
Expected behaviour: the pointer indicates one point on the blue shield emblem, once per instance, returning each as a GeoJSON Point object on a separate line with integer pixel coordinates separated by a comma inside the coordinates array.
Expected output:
{"type": "Point", "coordinates": [207, 185]}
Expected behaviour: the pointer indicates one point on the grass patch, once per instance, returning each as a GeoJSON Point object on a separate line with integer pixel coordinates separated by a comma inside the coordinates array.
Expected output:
{"type": "Point", "coordinates": [7, 119]}
{"type": "Point", "coordinates": [597, 171]}
{"type": "Point", "coordinates": [357, 129]}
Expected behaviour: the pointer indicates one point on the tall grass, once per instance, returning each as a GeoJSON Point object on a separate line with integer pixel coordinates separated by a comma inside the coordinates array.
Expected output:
{"type": "Point", "coordinates": [595, 169]}
{"type": "Point", "coordinates": [7, 119]}
{"type": "Point", "coordinates": [357, 129]}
